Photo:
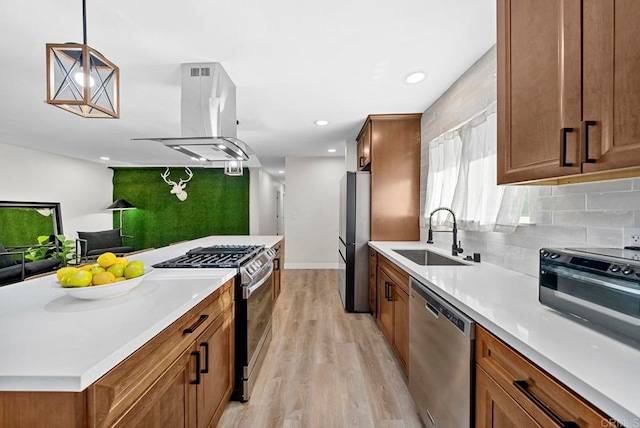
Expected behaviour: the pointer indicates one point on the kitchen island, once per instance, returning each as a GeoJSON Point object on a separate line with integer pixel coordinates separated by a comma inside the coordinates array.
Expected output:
{"type": "Point", "coordinates": [597, 366]}
{"type": "Point", "coordinates": [53, 343]}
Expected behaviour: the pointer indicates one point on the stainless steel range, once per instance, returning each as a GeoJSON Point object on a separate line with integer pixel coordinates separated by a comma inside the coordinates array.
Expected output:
{"type": "Point", "coordinates": [254, 305]}
{"type": "Point", "coordinates": [601, 285]}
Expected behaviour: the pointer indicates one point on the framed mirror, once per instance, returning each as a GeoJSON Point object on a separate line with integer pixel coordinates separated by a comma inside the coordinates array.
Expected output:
{"type": "Point", "coordinates": [22, 222]}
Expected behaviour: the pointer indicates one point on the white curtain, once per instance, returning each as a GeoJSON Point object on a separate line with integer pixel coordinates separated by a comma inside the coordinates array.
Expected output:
{"type": "Point", "coordinates": [444, 168]}
{"type": "Point", "coordinates": [472, 193]}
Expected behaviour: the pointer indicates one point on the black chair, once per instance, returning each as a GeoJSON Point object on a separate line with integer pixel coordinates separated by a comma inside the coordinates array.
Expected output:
{"type": "Point", "coordinates": [15, 267]}
{"type": "Point", "coordinates": [92, 244]}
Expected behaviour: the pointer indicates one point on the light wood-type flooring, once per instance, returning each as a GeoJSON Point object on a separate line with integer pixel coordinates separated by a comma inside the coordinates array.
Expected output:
{"type": "Point", "coordinates": [324, 367]}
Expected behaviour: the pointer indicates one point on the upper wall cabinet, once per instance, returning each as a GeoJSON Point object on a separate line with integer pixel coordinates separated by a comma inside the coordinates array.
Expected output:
{"type": "Point", "coordinates": [568, 90]}
{"type": "Point", "coordinates": [364, 148]}
{"type": "Point", "coordinates": [391, 146]}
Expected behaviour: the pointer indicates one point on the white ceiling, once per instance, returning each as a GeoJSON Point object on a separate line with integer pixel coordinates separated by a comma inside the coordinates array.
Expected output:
{"type": "Point", "coordinates": [292, 62]}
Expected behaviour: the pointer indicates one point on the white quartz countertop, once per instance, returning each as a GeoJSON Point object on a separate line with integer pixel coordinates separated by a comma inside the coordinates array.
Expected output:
{"type": "Point", "coordinates": [602, 369]}
{"type": "Point", "coordinates": [50, 341]}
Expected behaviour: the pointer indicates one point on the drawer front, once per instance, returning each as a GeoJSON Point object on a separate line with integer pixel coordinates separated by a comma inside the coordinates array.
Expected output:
{"type": "Point", "coordinates": [111, 395]}
{"type": "Point", "coordinates": [397, 275]}
{"type": "Point", "coordinates": [532, 388]}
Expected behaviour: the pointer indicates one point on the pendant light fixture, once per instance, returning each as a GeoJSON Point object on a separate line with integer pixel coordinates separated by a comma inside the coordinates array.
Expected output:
{"type": "Point", "coordinates": [233, 168]}
{"type": "Point", "coordinates": [81, 80]}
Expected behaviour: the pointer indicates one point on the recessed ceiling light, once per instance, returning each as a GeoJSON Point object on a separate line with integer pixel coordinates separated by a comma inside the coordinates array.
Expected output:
{"type": "Point", "coordinates": [415, 77]}
{"type": "Point", "coordinates": [331, 150]}
{"type": "Point", "coordinates": [281, 172]}
{"type": "Point", "coordinates": [222, 146]}
{"type": "Point", "coordinates": [104, 158]}
{"type": "Point", "coordinates": [195, 159]}
{"type": "Point", "coordinates": [203, 159]}
{"type": "Point", "coordinates": [321, 122]}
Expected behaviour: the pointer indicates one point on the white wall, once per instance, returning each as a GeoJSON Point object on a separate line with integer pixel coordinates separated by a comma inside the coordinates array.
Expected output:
{"type": "Point", "coordinates": [83, 189]}
{"type": "Point", "coordinates": [351, 155]}
{"type": "Point", "coordinates": [254, 201]}
{"type": "Point", "coordinates": [311, 212]}
{"type": "Point", "coordinates": [262, 203]}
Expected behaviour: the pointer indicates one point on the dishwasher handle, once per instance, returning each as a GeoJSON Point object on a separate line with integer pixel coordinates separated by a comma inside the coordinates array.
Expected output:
{"type": "Point", "coordinates": [440, 307]}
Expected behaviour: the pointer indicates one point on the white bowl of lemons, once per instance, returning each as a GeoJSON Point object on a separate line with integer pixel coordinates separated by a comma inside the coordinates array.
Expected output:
{"type": "Point", "coordinates": [110, 277]}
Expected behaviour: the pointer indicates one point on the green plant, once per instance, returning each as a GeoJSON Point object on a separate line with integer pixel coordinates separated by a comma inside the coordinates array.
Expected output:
{"type": "Point", "coordinates": [52, 246]}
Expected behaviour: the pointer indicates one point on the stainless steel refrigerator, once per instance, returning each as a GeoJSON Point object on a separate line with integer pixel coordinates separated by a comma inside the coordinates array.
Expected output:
{"type": "Point", "coordinates": [355, 232]}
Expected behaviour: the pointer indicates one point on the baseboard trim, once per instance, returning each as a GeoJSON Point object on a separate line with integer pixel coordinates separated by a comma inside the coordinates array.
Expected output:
{"type": "Point", "coordinates": [311, 265]}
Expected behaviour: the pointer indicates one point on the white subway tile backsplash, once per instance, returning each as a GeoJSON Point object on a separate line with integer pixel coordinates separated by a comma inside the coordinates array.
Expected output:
{"type": "Point", "coordinates": [593, 218]}
{"type": "Point", "coordinates": [604, 237]}
{"type": "Point", "coordinates": [620, 200]}
{"type": "Point", "coordinates": [596, 187]}
{"type": "Point", "coordinates": [561, 203]}
{"type": "Point", "coordinates": [541, 217]}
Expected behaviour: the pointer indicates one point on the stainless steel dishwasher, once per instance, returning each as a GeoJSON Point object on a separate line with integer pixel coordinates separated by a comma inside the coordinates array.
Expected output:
{"type": "Point", "coordinates": [440, 359]}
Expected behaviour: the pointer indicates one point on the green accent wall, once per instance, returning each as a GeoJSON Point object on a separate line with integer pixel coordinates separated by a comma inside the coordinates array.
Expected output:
{"type": "Point", "coordinates": [22, 226]}
{"type": "Point", "coordinates": [216, 205]}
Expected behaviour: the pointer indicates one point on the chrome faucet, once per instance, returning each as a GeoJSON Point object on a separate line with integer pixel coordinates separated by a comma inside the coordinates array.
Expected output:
{"type": "Point", "coordinates": [456, 248]}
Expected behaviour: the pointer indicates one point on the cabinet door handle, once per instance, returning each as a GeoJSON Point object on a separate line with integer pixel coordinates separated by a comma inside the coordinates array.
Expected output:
{"type": "Point", "coordinates": [196, 324]}
{"type": "Point", "coordinates": [205, 345]}
{"type": "Point", "coordinates": [585, 132]}
{"type": "Point", "coordinates": [563, 147]}
{"type": "Point", "coordinates": [361, 161]}
{"type": "Point", "coordinates": [523, 387]}
{"type": "Point", "coordinates": [277, 264]}
{"type": "Point", "coordinates": [386, 290]}
{"type": "Point", "coordinates": [197, 355]}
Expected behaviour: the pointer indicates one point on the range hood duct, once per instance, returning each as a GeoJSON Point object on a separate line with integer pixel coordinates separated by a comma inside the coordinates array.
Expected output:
{"type": "Point", "coordinates": [208, 116]}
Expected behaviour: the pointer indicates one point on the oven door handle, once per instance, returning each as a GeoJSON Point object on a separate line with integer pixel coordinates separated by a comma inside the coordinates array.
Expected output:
{"type": "Point", "coordinates": [247, 291]}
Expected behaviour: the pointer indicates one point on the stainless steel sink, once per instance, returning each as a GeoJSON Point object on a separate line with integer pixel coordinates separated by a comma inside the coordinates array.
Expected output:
{"type": "Point", "coordinates": [428, 258]}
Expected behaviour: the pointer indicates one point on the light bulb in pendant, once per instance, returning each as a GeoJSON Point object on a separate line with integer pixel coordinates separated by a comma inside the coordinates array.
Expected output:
{"type": "Point", "coordinates": [79, 78]}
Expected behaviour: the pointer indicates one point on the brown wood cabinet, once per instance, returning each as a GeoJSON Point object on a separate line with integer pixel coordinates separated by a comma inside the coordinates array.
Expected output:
{"type": "Point", "coordinates": [393, 308]}
{"type": "Point", "coordinates": [373, 293]}
{"type": "Point", "coordinates": [216, 347]}
{"type": "Point", "coordinates": [364, 148]}
{"type": "Point", "coordinates": [179, 378]}
{"type": "Point", "coordinates": [277, 269]}
{"type": "Point", "coordinates": [568, 90]}
{"type": "Point", "coordinates": [512, 391]}
{"type": "Point", "coordinates": [394, 157]}
{"type": "Point", "coordinates": [495, 408]}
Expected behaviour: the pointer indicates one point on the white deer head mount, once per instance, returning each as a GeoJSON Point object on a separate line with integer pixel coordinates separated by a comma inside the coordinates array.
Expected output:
{"type": "Point", "coordinates": [178, 188]}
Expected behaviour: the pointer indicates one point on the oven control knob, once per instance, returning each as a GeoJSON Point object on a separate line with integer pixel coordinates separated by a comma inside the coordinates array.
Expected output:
{"type": "Point", "coordinates": [615, 268]}
{"type": "Point", "coordinates": [627, 271]}
{"type": "Point", "coordinates": [545, 254]}
{"type": "Point", "coordinates": [555, 255]}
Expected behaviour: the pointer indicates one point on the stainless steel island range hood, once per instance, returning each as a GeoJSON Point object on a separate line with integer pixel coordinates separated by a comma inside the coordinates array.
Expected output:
{"type": "Point", "coordinates": [208, 116]}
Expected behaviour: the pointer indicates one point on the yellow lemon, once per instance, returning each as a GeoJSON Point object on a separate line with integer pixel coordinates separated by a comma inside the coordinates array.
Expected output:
{"type": "Point", "coordinates": [60, 273]}
{"type": "Point", "coordinates": [120, 278]}
{"type": "Point", "coordinates": [80, 278]}
{"type": "Point", "coordinates": [103, 278]}
{"type": "Point", "coordinates": [134, 269]}
{"type": "Point", "coordinates": [96, 269]}
{"type": "Point", "coordinates": [122, 260]}
{"type": "Point", "coordinates": [86, 267]}
{"type": "Point", "coordinates": [65, 279]}
{"type": "Point", "coordinates": [116, 269]}
{"type": "Point", "coordinates": [106, 259]}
